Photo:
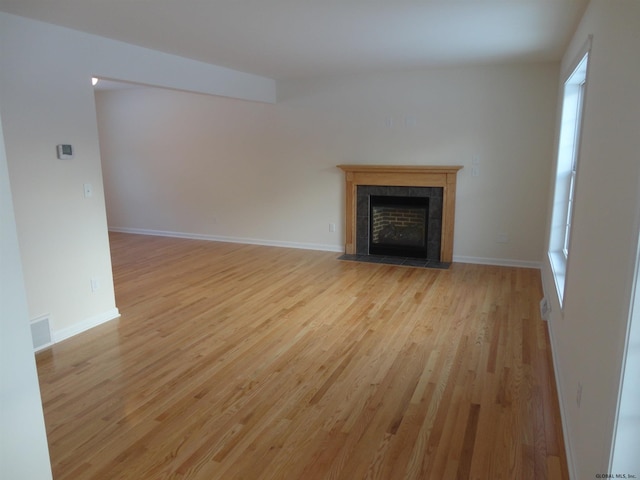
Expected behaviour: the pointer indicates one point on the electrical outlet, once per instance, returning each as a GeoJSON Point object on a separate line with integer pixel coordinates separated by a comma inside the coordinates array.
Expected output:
{"type": "Point", "coordinates": [579, 394]}
{"type": "Point", "coordinates": [332, 227]}
{"type": "Point", "coordinates": [95, 284]}
{"type": "Point", "coordinates": [88, 190]}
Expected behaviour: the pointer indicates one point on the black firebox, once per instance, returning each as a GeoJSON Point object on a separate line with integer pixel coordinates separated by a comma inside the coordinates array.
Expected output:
{"type": "Point", "coordinates": [398, 226]}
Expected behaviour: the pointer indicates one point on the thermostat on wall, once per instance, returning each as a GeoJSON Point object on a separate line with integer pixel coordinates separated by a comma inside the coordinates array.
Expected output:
{"type": "Point", "coordinates": [64, 151]}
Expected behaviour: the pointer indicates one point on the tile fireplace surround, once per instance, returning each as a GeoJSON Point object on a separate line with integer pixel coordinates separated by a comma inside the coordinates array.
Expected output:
{"type": "Point", "coordinates": [401, 176]}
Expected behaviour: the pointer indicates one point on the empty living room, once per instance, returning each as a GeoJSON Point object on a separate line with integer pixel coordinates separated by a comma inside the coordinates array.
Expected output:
{"type": "Point", "coordinates": [324, 240]}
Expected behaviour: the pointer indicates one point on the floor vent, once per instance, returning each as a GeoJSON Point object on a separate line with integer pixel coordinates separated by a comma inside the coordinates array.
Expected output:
{"type": "Point", "coordinates": [41, 333]}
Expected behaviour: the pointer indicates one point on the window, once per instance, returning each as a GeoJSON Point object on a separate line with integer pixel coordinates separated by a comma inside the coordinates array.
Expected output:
{"type": "Point", "coordinates": [574, 125]}
{"type": "Point", "coordinates": [567, 171]}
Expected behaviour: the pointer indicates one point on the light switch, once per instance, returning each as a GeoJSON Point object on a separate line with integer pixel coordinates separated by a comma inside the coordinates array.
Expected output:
{"type": "Point", "coordinates": [88, 190]}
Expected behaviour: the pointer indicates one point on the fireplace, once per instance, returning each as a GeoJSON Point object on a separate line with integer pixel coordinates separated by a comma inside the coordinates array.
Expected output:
{"type": "Point", "coordinates": [435, 190]}
{"type": "Point", "coordinates": [398, 226]}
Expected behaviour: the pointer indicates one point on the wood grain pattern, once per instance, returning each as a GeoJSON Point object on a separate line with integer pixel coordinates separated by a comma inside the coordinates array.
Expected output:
{"type": "Point", "coordinates": [248, 362]}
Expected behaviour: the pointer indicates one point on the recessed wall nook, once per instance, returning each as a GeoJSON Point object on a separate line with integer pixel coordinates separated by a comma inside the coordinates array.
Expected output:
{"type": "Point", "coordinates": [400, 214]}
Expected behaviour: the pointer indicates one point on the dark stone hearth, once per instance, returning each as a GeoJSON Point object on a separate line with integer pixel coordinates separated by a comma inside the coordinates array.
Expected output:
{"type": "Point", "coordinates": [402, 261]}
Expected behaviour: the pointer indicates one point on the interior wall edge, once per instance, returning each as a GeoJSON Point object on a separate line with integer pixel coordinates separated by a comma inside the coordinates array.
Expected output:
{"type": "Point", "coordinates": [550, 293]}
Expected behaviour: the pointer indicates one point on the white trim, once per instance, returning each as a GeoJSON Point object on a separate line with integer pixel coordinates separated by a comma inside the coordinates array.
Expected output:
{"type": "Point", "coordinates": [221, 238]}
{"type": "Point", "coordinates": [634, 316]}
{"type": "Point", "coordinates": [566, 163]}
{"type": "Point", "coordinates": [501, 262]}
{"type": "Point", "coordinates": [577, 58]}
{"type": "Point", "coordinates": [558, 267]}
{"type": "Point", "coordinates": [557, 374]}
{"type": "Point", "coordinates": [85, 325]}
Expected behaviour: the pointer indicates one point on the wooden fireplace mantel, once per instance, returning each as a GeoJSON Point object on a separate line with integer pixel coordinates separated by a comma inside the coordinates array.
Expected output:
{"type": "Point", "coordinates": [402, 176]}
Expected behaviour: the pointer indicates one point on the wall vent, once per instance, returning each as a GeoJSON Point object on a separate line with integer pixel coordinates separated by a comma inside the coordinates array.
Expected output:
{"type": "Point", "coordinates": [41, 333]}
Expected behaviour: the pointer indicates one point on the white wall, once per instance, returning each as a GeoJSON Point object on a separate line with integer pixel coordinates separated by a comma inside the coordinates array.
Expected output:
{"type": "Point", "coordinates": [46, 99]}
{"type": "Point", "coordinates": [224, 168]}
{"type": "Point", "coordinates": [627, 434]}
{"type": "Point", "coordinates": [589, 334]}
{"type": "Point", "coordinates": [24, 454]}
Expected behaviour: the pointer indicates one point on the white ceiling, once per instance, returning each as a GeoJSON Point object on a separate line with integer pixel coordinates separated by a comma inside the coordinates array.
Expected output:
{"type": "Point", "coordinates": [303, 38]}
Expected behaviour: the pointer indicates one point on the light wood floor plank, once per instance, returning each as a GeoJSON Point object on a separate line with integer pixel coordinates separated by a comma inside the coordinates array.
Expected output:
{"type": "Point", "coordinates": [249, 362]}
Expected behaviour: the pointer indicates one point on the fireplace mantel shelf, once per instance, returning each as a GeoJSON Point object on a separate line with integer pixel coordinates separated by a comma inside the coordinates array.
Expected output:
{"type": "Point", "coordinates": [401, 168]}
{"type": "Point", "coordinates": [405, 176]}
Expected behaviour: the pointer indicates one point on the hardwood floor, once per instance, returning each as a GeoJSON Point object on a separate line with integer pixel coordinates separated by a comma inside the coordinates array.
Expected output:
{"type": "Point", "coordinates": [248, 362]}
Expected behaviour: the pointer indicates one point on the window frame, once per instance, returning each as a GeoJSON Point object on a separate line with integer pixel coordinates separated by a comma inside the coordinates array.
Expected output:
{"type": "Point", "coordinates": [574, 167]}
{"type": "Point", "coordinates": [569, 139]}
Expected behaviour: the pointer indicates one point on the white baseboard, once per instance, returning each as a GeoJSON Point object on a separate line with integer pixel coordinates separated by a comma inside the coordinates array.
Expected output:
{"type": "Point", "coordinates": [63, 334]}
{"type": "Point", "coordinates": [501, 262]}
{"type": "Point", "coordinates": [559, 382]}
{"type": "Point", "coordinates": [308, 246]}
{"type": "Point", "coordinates": [220, 238]}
